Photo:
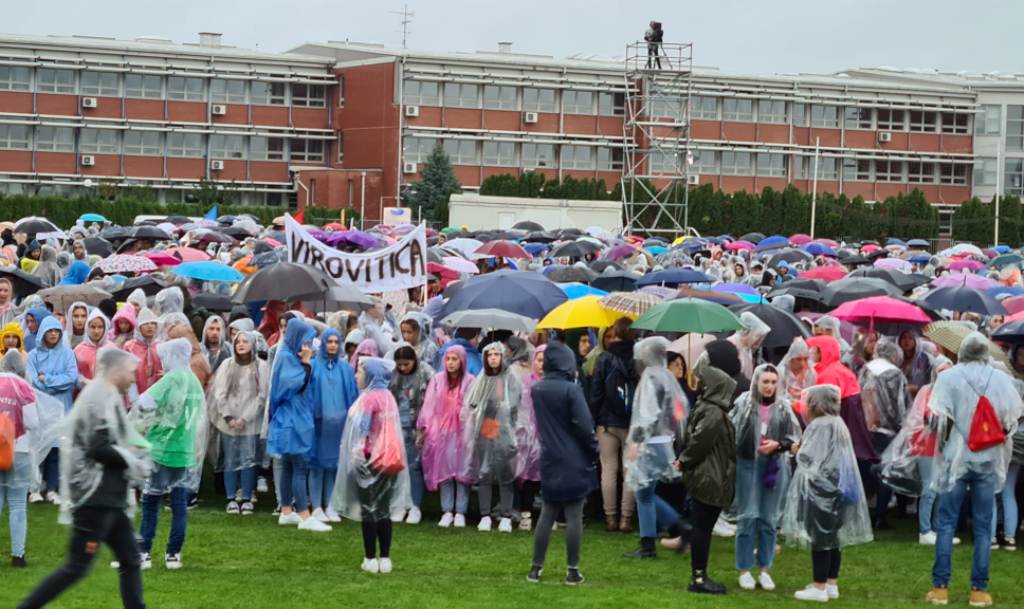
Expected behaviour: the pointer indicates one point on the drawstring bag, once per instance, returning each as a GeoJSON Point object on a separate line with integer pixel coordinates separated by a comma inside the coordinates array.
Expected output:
{"type": "Point", "coordinates": [986, 429]}
{"type": "Point", "coordinates": [924, 441]}
{"type": "Point", "coordinates": [6, 443]}
{"type": "Point", "coordinates": [388, 459]}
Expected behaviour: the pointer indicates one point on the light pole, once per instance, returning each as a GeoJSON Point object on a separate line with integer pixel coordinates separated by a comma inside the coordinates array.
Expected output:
{"type": "Point", "coordinates": [999, 187]}
{"type": "Point", "coordinates": [814, 186]}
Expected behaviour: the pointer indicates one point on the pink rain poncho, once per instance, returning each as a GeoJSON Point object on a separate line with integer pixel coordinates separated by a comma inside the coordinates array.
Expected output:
{"type": "Point", "coordinates": [85, 352]}
{"type": "Point", "coordinates": [527, 438]}
{"type": "Point", "coordinates": [440, 420]}
{"type": "Point", "coordinates": [150, 368]}
{"type": "Point", "coordinates": [118, 339]}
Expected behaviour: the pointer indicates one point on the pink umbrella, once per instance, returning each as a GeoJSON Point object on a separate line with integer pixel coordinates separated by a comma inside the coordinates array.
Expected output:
{"type": "Point", "coordinates": [969, 265]}
{"type": "Point", "coordinates": [870, 247]}
{"type": "Point", "coordinates": [828, 242]}
{"type": "Point", "coordinates": [956, 280]}
{"type": "Point", "coordinates": [459, 265]}
{"type": "Point", "coordinates": [189, 254]}
{"type": "Point", "coordinates": [1014, 304]}
{"type": "Point", "coordinates": [162, 258]}
{"type": "Point", "coordinates": [619, 252]}
{"type": "Point", "coordinates": [800, 239]}
{"type": "Point", "coordinates": [894, 263]}
{"type": "Point", "coordinates": [828, 273]}
{"type": "Point", "coordinates": [740, 245]}
{"type": "Point", "coordinates": [273, 242]}
{"type": "Point", "coordinates": [881, 309]}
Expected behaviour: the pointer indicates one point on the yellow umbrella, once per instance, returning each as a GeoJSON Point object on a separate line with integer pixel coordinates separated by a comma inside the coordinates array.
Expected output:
{"type": "Point", "coordinates": [585, 312]}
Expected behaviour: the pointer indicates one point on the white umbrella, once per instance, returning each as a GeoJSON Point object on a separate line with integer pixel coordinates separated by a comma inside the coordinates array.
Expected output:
{"type": "Point", "coordinates": [464, 246]}
{"type": "Point", "coordinates": [459, 265]}
{"type": "Point", "coordinates": [490, 319]}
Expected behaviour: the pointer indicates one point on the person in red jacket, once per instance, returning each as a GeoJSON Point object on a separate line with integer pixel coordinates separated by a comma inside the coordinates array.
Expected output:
{"type": "Point", "coordinates": [143, 346]}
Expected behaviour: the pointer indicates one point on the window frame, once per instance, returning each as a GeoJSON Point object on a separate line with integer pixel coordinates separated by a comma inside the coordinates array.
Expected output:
{"type": "Point", "coordinates": [466, 152]}
{"type": "Point", "coordinates": [419, 99]}
{"type": "Point", "coordinates": [989, 121]}
{"type": "Point", "coordinates": [771, 117]}
{"type": "Point", "coordinates": [99, 89]}
{"type": "Point", "coordinates": [890, 119]}
{"type": "Point", "coordinates": [539, 104]}
{"type": "Point", "coordinates": [921, 172]}
{"type": "Point", "coordinates": [949, 174]}
{"type": "Point", "coordinates": [462, 98]}
{"type": "Point", "coordinates": [986, 172]}
{"type": "Point", "coordinates": [580, 157]}
{"type": "Point", "coordinates": [501, 102]}
{"type": "Point", "coordinates": [889, 171]}
{"type": "Point", "coordinates": [142, 91]}
{"type": "Point", "coordinates": [770, 159]}
{"type": "Point", "coordinates": [496, 156]}
{"type": "Point", "coordinates": [220, 149]}
{"type": "Point", "coordinates": [700, 162]}
{"type": "Point", "coordinates": [267, 152]}
{"type": "Point", "coordinates": [191, 145]}
{"type": "Point", "coordinates": [737, 114]}
{"type": "Point", "coordinates": [703, 110]}
{"type": "Point", "coordinates": [820, 118]}
{"type": "Point", "coordinates": [107, 141]}
{"type": "Point", "coordinates": [525, 156]}
{"type": "Point", "coordinates": [928, 123]}
{"type": "Point", "coordinates": [730, 165]}
{"type": "Point", "coordinates": [10, 82]}
{"type": "Point", "coordinates": [188, 92]}
{"type": "Point", "coordinates": [303, 95]}
{"type": "Point", "coordinates": [953, 127]}
{"type": "Point", "coordinates": [610, 159]}
{"type": "Point", "coordinates": [574, 102]}
{"type": "Point", "coordinates": [227, 96]}
{"type": "Point", "coordinates": [8, 141]}
{"type": "Point", "coordinates": [306, 155]}
{"type": "Point", "coordinates": [615, 107]}
{"type": "Point", "coordinates": [142, 148]}
{"type": "Point", "coordinates": [858, 121]}
{"type": "Point", "coordinates": [418, 152]}
{"type": "Point", "coordinates": [54, 143]}
{"type": "Point", "coordinates": [276, 93]}
{"type": "Point", "coordinates": [55, 86]}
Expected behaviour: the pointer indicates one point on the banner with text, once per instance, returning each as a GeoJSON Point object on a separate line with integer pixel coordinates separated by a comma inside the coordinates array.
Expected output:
{"type": "Point", "coordinates": [398, 266]}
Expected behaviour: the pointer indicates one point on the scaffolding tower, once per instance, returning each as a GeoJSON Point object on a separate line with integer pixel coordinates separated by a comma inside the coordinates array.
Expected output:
{"type": "Point", "coordinates": [657, 156]}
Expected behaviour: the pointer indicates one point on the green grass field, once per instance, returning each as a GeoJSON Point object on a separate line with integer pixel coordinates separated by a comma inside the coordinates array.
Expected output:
{"type": "Point", "coordinates": [252, 563]}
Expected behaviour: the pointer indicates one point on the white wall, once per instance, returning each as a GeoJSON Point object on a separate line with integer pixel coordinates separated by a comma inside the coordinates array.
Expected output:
{"type": "Point", "coordinates": [483, 212]}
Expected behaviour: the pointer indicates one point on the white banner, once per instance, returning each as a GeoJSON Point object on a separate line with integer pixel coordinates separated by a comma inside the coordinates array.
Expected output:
{"type": "Point", "coordinates": [399, 266]}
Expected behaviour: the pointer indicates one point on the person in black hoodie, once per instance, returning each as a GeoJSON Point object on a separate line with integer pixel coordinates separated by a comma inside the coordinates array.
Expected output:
{"type": "Point", "coordinates": [568, 455]}
{"type": "Point", "coordinates": [611, 393]}
{"type": "Point", "coordinates": [723, 355]}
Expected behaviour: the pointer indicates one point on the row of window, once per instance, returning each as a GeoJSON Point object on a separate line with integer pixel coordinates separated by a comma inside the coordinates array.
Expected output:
{"type": "Point", "coordinates": [986, 174]}
{"type": "Point", "coordinates": [156, 143]}
{"type": "Point", "coordinates": [153, 86]}
{"type": "Point", "coordinates": [501, 97]}
{"type": "Point", "coordinates": [512, 154]}
{"type": "Point", "coordinates": [163, 195]}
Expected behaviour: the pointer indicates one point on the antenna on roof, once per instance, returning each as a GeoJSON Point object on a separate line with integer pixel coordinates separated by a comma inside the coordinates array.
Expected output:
{"type": "Point", "coordinates": [406, 18]}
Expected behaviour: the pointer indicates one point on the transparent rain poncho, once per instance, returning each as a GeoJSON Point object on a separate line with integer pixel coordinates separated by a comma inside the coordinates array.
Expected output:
{"type": "Point", "coordinates": [885, 396]}
{"type": "Point", "coordinates": [373, 477]}
{"type": "Point", "coordinates": [791, 384]}
{"type": "Point", "coordinates": [527, 436]}
{"type": "Point", "coordinates": [953, 400]}
{"type": "Point", "coordinates": [825, 506]}
{"type": "Point", "coordinates": [238, 393]}
{"type": "Point", "coordinates": [748, 341]}
{"type": "Point", "coordinates": [169, 300]}
{"type": "Point", "coordinates": [656, 423]}
{"type": "Point", "coordinates": [491, 410]}
{"type": "Point", "coordinates": [18, 402]}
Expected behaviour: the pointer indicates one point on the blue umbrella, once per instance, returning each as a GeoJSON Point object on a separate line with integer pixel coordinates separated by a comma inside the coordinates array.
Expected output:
{"type": "Point", "coordinates": [963, 299]}
{"type": "Point", "coordinates": [770, 243]}
{"type": "Point", "coordinates": [919, 259]}
{"type": "Point", "coordinates": [656, 250]}
{"type": "Point", "coordinates": [1002, 249]}
{"type": "Point", "coordinates": [1004, 290]}
{"type": "Point", "coordinates": [819, 249]}
{"type": "Point", "coordinates": [91, 217]}
{"type": "Point", "coordinates": [579, 290]}
{"type": "Point", "coordinates": [535, 248]}
{"type": "Point", "coordinates": [919, 243]}
{"type": "Point", "coordinates": [673, 277]}
{"type": "Point", "coordinates": [895, 241]}
{"type": "Point", "coordinates": [693, 245]}
{"type": "Point", "coordinates": [736, 288]}
{"type": "Point", "coordinates": [208, 270]}
{"type": "Point", "coordinates": [523, 292]}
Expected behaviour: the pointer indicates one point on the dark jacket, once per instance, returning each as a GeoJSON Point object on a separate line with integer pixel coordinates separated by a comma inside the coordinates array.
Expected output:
{"type": "Point", "coordinates": [723, 355]}
{"type": "Point", "coordinates": [568, 445]}
{"type": "Point", "coordinates": [613, 385]}
{"type": "Point", "coordinates": [709, 458]}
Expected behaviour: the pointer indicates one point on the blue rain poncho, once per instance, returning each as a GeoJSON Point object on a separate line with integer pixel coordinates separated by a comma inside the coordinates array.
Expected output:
{"type": "Point", "coordinates": [56, 364]}
{"type": "Point", "coordinates": [38, 314]}
{"type": "Point", "coordinates": [291, 429]}
{"type": "Point", "coordinates": [333, 385]}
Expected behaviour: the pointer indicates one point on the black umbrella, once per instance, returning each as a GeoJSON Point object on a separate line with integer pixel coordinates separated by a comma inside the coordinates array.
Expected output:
{"type": "Point", "coordinates": [523, 292]}
{"type": "Point", "coordinates": [903, 281]}
{"type": "Point", "coordinates": [616, 281]}
{"type": "Point", "coordinates": [808, 289]}
{"type": "Point", "coordinates": [784, 325]}
{"type": "Point", "coordinates": [262, 246]}
{"type": "Point", "coordinates": [575, 249]}
{"type": "Point", "coordinates": [150, 285]}
{"type": "Point", "coordinates": [235, 231]}
{"type": "Point", "coordinates": [179, 220]}
{"type": "Point", "coordinates": [600, 265]}
{"type": "Point", "coordinates": [1011, 333]}
{"type": "Point", "coordinates": [963, 299]}
{"type": "Point", "coordinates": [112, 233]}
{"type": "Point", "coordinates": [539, 237]}
{"type": "Point", "coordinates": [212, 302]}
{"type": "Point", "coordinates": [151, 233]}
{"type": "Point", "coordinates": [855, 288]}
{"type": "Point", "coordinates": [790, 256]}
{"type": "Point", "coordinates": [24, 283]}
{"type": "Point", "coordinates": [570, 233]}
{"type": "Point", "coordinates": [283, 281]}
{"type": "Point", "coordinates": [752, 237]}
{"type": "Point", "coordinates": [527, 225]}
{"type": "Point", "coordinates": [34, 224]}
{"type": "Point", "coordinates": [98, 246]}
{"type": "Point", "coordinates": [568, 274]}
{"type": "Point", "coordinates": [855, 260]}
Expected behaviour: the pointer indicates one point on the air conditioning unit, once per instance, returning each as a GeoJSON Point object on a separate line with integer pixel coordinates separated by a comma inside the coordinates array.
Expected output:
{"type": "Point", "coordinates": [219, 110]}
{"type": "Point", "coordinates": [412, 111]}
{"type": "Point", "coordinates": [88, 160]}
{"type": "Point", "coordinates": [530, 118]}
{"type": "Point", "coordinates": [216, 165]}
{"type": "Point", "coordinates": [884, 136]}
{"type": "Point", "coordinates": [408, 167]}
{"type": "Point", "coordinates": [89, 102]}
{"type": "Point", "coordinates": [693, 180]}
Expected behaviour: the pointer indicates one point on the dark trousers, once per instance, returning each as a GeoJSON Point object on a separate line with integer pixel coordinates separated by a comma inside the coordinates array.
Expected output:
{"type": "Point", "coordinates": [826, 564]}
{"type": "Point", "coordinates": [93, 526]}
{"type": "Point", "coordinates": [704, 517]}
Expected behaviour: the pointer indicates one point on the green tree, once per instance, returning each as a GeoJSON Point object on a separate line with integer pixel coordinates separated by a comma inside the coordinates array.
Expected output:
{"type": "Point", "coordinates": [437, 183]}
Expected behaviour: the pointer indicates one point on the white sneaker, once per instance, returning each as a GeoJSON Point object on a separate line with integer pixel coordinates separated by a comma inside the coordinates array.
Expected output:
{"type": "Point", "coordinates": [52, 497]}
{"type": "Point", "coordinates": [289, 519]}
{"type": "Point", "coordinates": [145, 562]}
{"type": "Point", "coordinates": [505, 526]}
{"type": "Point", "coordinates": [833, 591]}
{"type": "Point", "coordinates": [415, 516]}
{"type": "Point", "coordinates": [385, 565]}
{"type": "Point", "coordinates": [234, 508]}
{"type": "Point", "coordinates": [724, 529]}
{"type": "Point", "coordinates": [766, 582]}
{"type": "Point", "coordinates": [312, 524]}
{"type": "Point", "coordinates": [446, 520]}
{"type": "Point", "coordinates": [927, 539]}
{"type": "Point", "coordinates": [173, 561]}
{"type": "Point", "coordinates": [485, 524]}
{"type": "Point", "coordinates": [747, 581]}
{"type": "Point", "coordinates": [261, 485]}
{"type": "Point", "coordinates": [35, 498]}
{"type": "Point", "coordinates": [332, 516]}
{"type": "Point", "coordinates": [398, 516]}
{"type": "Point", "coordinates": [460, 521]}
{"type": "Point", "coordinates": [319, 514]}
{"type": "Point", "coordinates": [370, 565]}
{"type": "Point", "coordinates": [812, 593]}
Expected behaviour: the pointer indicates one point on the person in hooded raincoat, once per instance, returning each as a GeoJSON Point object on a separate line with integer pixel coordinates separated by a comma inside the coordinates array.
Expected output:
{"type": "Point", "coordinates": [51, 368]}
{"type": "Point", "coordinates": [95, 338]}
{"type": "Point", "coordinates": [441, 437]}
{"type": "Point", "coordinates": [655, 428]}
{"type": "Point", "coordinates": [47, 270]}
{"type": "Point", "coordinates": [373, 480]}
{"type": "Point", "coordinates": [960, 470]}
{"type": "Point", "coordinates": [826, 325]}
{"type": "Point", "coordinates": [7, 308]}
{"type": "Point", "coordinates": [137, 299]}
{"type": "Point", "coordinates": [122, 326]}
{"type": "Point", "coordinates": [177, 325]}
{"type": "Point", "coordinates": [74, 323]}
{"type": "Point", "coordinates": [415, 328]}
{"type": "Point", "coordinates": [366, 348]}
{"type": "Point", "coordinates": [78, 273]}
{"type": "Point", "coordinates": [409, 386]}
{"type": "Point", "coordinates": [143, 346]}
{"type": "Point", "coordinates": [12, 337]}
{"type": "Point", "coordinates": [334, 390]}
{"type": "Point", "coordinates": [18, 405]}
{"type": "Point", "coordinates": [379, 326]}
{"type": "Point", "coordinates": [215, 345]}
{"type": "Point", "coordinates": [767, 434]}
{"type": "Point", "coordinates": [528, 443]}
{"type": "Point", "coordinates": [34, 316]}
{"type": "Point", "coordinates": [102, 456]}
{"type": "Point", "coordinates": [748, 342]}
{"type": "Point", "coordinates": [491, 409]}
{"type": "Point", "coordinates": [174, 410]}
{"type": "Point", "coordinates": [825, 507]}
{"type": "Point", "coordinates": [917, 364]}
{"type": "Point", "coordinates": [796, 372]}
{"type": "Point", "coordinates": [235, 402]}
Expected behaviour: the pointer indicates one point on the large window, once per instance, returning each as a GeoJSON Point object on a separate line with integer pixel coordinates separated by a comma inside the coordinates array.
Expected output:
{"type": "Point", "coordinates": [185, 144]}
{"type": "Point", "coordinates": [461, 95]}
{"type": "Point", "coordinates": [954, 122]}
{"type": "Point", "coordinates": [737, 109]}
{"type": "Point", "coordinates": [100, 141]}
{"type": "Point", "coordinates": [704, 162]}
{"type": "Point", "coordinates": [854, 170]}
{"type": "Point", "coordinates": [611, 104]}
{"type": "Point", "coordinates": [985, 172]}
{"type": "Point", "coordinates": [577, 102]}
{"type": "Point", "coordinates": [55, 139]}
{"type": "Point", "coordinates": [857, 118]}
{"type": "Point", "coordinates": [989, 121]}
{"type": "Point", "coordinates": [310, 151]}
{"type": "Point", "coordinates": [666, 107]}
{"type": "Point", "coordinates": [499, 97]}
{"type": "Point", "coordinates": [417, 149]}
{"type": "Point", "coordinates": [539, 100]}
{"type": "Point", "coordinates": [799, 115]}
{"type": "Point", "coordinates": [609, 159]}
{"type": "Point", "coordinates": [538, 155]}
{"type": "Point", "coordinates": [15, 78]}
{"type": "Point", "coordinates": [888, 171]}
{"type": "Point", "coordinates": [1013, 182]}
{"type": "Point", "coordinates": [462, 152]}
{"type": "Point", "coordinates": [227, 146]}
{"type": "Point", "coordinates": [149, 86]}
{"type": "Point", "coordinates": [99, 83]}
{"type": "Point", "coordinates": [578, 157]}
{"type": "Point", "coordinates": [771, 111]}
{"type": "Point", "coordinates": [500, 154]}
{"type": "Point", "coordinates": [771, 165]}
{"type": "Point", "coordinates": [920, 172]}
{"type": "Point", "coordinates": [266, 148]}
{"type": "Point", "coordinates": [923, 121]}
{"type": "Point", "coordinates": [143, 143]}
{"type": "Point", "coordinates": [890, 120]}
{"type": "Point", "coordinates": [702, 106]}
{"type": "Point", "coordinates": [226, 91]}
{"type": "Point", "coordinates": [421, 93]}
{"type": "Point", "coordinates": [186, 88]}
{"type": "Point", "coordinates": [950, 173]}
{"type": "Point", "coordinates": [824, 116]}
{"type": "Point", "coordinates": [14, 137]}
{"type": "Point", "coordinates": [268, 93]}
{"type": "Point", "coordinates": [663, 162]}
{"type": "Point", "coordinates": [1015, 128]}
{"type": "Point", "coordinates": [737, 164]}
{"type": "Point", "coordinates": [309, 96]}
{"type": "Point", "coordinates": [52, 80]}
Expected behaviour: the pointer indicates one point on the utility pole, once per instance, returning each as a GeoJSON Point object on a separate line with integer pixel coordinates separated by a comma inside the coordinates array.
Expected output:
{"type": "Point", "coordinates": [999, 187]}
{"type": "Point", "coordinates": [814, 186]}
{"type": "Point", "coordinates": [406, 18]}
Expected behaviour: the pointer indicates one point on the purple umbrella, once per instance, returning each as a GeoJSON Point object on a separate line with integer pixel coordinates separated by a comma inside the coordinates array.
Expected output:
{"type": "Point", "coordinates": [959, 280]}
{"type": "Point", "coordinates": [970, 265]}
{"type": "Point", "coordinates": [361, 239]}
{"type": "Point", "coordinates": [735, 288]}
{"type": "Point", "coordinates": [619, 252]}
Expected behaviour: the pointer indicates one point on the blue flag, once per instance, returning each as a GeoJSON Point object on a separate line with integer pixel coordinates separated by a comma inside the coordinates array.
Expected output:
{"type": "Point", "coordinates": [212, 214]}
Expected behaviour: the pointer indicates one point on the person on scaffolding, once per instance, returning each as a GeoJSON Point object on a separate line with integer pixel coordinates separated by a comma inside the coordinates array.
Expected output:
{"type": "Point", "coordinates": [653, 36]}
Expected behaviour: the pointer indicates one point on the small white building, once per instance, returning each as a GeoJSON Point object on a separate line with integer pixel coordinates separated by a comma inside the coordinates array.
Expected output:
{"type": "Point", "coordinates": [479, 212]}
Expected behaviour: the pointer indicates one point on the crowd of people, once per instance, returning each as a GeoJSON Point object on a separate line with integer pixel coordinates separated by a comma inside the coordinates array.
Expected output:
{"type": "Point", "coordinates": [117, 407]}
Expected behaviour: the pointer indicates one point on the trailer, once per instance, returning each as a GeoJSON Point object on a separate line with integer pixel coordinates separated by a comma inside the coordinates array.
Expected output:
{"type": "Point", "coordinates": [479, 212]}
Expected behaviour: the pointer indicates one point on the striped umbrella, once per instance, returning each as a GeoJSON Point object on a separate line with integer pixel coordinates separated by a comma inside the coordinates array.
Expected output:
{"type": "Point", "coordinates": [630, 304]}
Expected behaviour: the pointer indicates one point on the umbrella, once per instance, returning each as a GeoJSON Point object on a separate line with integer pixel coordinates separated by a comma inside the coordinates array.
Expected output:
{"type": "Point", "coordinates": [212, 302]}
{"type": "Point", "coordinates": [209, 236]}
{"type": "Point", "coordinates": [736, 288]}
{"type": "Point", "coordinates": [579, 290]}
{"type": "Point", "coordinates": [817, 249]}
{"type": "Point", "coordinates": [688, 315]}
{"type": "Point", "coordinates": [523, 292]}
{"type": "Point", "coordinates": [464, 246]}
{"type": "Point", "coordinates": [802, 287]}
{"type": "Point", "coordinates": [149, 284]}
{"type": "Point", "coordinates": [968, 280]}
{"type": "Point", "coordinates": [1011, 333]}
{"type": "Point", "coordinates": [949, 335]}
{"type": "Point", "coordinates": [283, 281]}
{"type": "Point", "coordinates": [770, 243]}
{"type": "Point", "coordinates": [630, 304]}
{"type": "Point", "coordinates": [600, 266]}
{"type": "Point", "coordinates": [673, 277]}
{"type": "Point", "coordinates": [881, 309]}
{"type": "Point", "coordinates": [98, 246]}
{"type": "Point", "coordinates": [918, 243]}
{"type": "Point", "coordinates": [826, 273]}
{"type": "Point", "coordinates": [575, 249]}
{"type": "Point", "coordinates": [151, 233]}
{"type": "Point", "coordinates": [178, 219]}
{"type": "Point", "coordinates": [208, 270]}
{"type": "Point", "coordinates": [162, 258]}
{"type": "Point", "coordinates": [789, 256]}
{"type": "Point", "coordinates": [800, 239]}
{"type": "Point", "coordinates": [116, 232]}
{"type": "Point", "coordinates": [34, 224]}
{"type": "Point", "coordinates": [584, 312]}
{"type": "Point", "coordinates": [616, 281]}
{"type": "Point", "coordinates": [342, 296]}
{"type": "Point", "coordinates": [1003, 291]}
{"type": "Point", "coordinates": [723, 298]}
{"type": "Point", "coordinates": [91, 217]}
{"type": "Point", "coordinates": [854, 288]}
{"type": "Point", "coordinates": [540, 236]}
{"type": "Point", "coordinates": [567, 274]}
{"type": "Point", "coordinates": [459, 265]}
{"type": "Point", "coordinates": [1014, 304]}
{"type": "Point", "coordinates": [963, 299]}
{"type": "Point", "coordinates": [63, 296]}
{"type": "Point", "coordinates": [502, 249]}
{"type": "Point", "coordinates": [752, 237]}
{"type": "Point", "coordinates": [619, 252]}
{"type": "Point", "coordinates": [966, 265]}
{"type": "Point", "coordinates": [903, 281]}
{"type": "Point", "coordinates": [490, 319]}
{"type": "Point", "coordinates": [1005, 260]}
{"type": "Point", "coordinates": [527, 225]}
{"type": "Point", "coordinates": [535, 249]}
{"type": "Point", "coordinates": [189, 254]}
{"type": "Point", "coordinates": [963, 249]}
{"type": "Point", "coordinates": [896, 264]}
{"type": "Point", "coordinates": [660, 291]}
{"type": "Point", "coordinates": [785, 326]}
{"type": "Point", "coordinates": [123, 263]}
{"type": "Point", "coordinates": [24, 283]}
{"type": "Point", "coordinates": [740, 245]}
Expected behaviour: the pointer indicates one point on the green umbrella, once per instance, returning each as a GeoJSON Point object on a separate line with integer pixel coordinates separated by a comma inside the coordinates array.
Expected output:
{"type": "Point", "coordinates": [690, 315]}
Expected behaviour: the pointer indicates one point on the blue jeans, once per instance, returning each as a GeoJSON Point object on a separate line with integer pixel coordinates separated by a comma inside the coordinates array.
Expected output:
{"type": "Point", "coordinates": [321, 486]}
{"type": "Point", "coordinates": [294, 473]}
{"type": "Point", "coordinates": [179, 519]}
{"type": "Point", "coordinates": [653, 511]}
{"type": "Point", "coordinates": [233, 478]}
{"type": "Point", "coordinates": [982, 489]}
{"type": "Point", "coordinates": [412, 457]}
{"type": "Point", "coordinates": [454, 497]}
{"type": "Point", "coordinates": [15, 498]}
{"type": "Point", "coordinates": [926, 505]}
{"type": "Point", "coordinates": [1009, 497]}
{"type": "Point", "coordinates": [50, 470]}
{"type": "Point", "coordinates": [748, 532]}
